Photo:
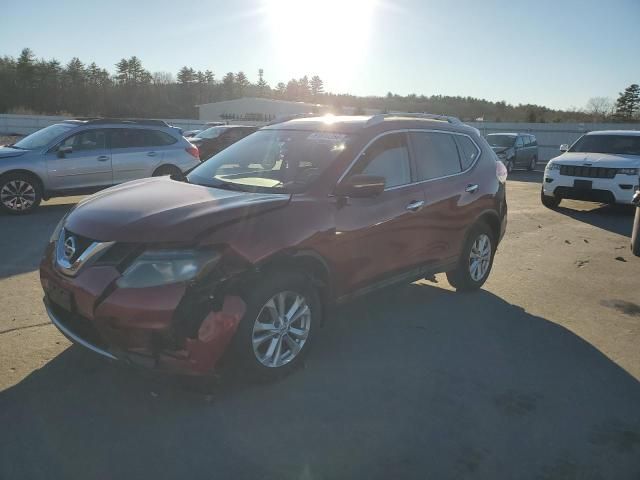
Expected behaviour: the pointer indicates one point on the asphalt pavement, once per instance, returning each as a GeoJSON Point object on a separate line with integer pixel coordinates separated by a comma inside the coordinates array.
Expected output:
{"type": "Point", "coordinates": [536, 376]}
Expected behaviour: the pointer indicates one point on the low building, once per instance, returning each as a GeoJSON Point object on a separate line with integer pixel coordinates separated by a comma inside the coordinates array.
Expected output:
{"type": "Point", "coordinates": [251, 110]}
{"type": "Point", "coordinates": [255, 110]}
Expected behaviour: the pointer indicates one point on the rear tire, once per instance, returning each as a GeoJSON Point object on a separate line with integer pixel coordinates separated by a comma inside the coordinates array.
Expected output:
{"type": "Point", "coordinates": [20, 193]}
{"type": "Point", "coordinates": [475, 261]}
{"type": "Point", "coordinates": [549, 201]}
{"type": "Point", "coordinates": [272, 338]}
{"type": "Point", "coordinates": [170, 170]}
{"type": "Point", "coordinates": [532, 164]}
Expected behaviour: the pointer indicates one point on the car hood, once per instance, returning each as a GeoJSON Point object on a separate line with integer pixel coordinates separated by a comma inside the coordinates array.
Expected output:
{"type": "Point", "coordinates": [6, 152]}
{"type": "Point", "coordinates": [598, 160]}
{"type": "Point", "coordinates": [163, 210]}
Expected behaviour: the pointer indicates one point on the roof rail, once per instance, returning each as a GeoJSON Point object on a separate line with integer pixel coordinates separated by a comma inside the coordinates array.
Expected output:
{"type": "Point", "coordinates": [129, 121]}
{"type": "Point", "coordinates": [379, 118]}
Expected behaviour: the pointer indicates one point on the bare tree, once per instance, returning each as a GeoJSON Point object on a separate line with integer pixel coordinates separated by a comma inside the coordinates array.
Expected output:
{"type": "Point", "coordinates": [600, 107]}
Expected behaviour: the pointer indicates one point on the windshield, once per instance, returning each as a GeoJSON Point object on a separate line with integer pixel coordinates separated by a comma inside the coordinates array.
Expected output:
{"type": "Point", "coordinates": [43, 137]}
{"type": "Point", "coordinates": [213, 132]}
{"type": "Point", "coordinates": [281, 160]}
{"type": "Point", "coordinates": [501, 140]}
{"type": "Point", "coordinates": [612, 144]}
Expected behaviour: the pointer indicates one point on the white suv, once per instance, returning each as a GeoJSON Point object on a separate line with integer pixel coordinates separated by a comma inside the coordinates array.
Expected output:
{"type": "Point", "coordinates": [599, 167]}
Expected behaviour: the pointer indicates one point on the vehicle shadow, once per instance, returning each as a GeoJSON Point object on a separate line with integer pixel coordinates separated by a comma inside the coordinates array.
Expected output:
{"type": "Point", "coordinates": [526, 176]}
{"type": "Point", "coordinates": [613, 218]}
{"type": "Point", "coordinates": [415, 382]}
{"type": "Point", "coordinates": [24, 237]}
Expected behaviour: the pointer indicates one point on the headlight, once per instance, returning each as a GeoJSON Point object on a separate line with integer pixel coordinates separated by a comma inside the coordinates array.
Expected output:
{"type": "Point", "coordinates": [56, 231]}
{"type": "Point", "coordinates": [552, 166]}
{"type": "Point", "coordinates": [161, 267]}
{"type": "Point", "coordinates": [628, 171]}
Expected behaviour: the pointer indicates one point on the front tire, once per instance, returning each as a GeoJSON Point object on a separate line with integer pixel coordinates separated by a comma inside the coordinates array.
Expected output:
{"type": "Point", "coordinates": [283, 312]}
{"type": "Point", "coordinates": [510, 165]}
{"type": "Point", "coordinates": [549, 201]}
{"type": "Point", "coordinates": [475, 261]}
{"type": "Point", "coordinates": [20, 193]}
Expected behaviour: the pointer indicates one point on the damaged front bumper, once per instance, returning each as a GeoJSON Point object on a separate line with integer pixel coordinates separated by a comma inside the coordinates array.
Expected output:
{"type": "Point", "coordinates": [178, 328]}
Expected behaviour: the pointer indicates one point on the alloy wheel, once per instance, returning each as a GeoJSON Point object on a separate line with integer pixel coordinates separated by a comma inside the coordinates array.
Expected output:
{"type": "Point", "coordinates": [281, 329]}
{"type": "Point", "coordinates": [480, 257]}
{"type": "Point", "coordinates": [18, 195]}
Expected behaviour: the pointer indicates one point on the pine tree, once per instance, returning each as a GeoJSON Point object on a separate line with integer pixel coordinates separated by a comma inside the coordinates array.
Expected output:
{"type": "Point", "coordinates": [281, 89]}
{"type": "Point", "coordinates": [122, 71]}
{"type": "Point", "coordinates": [628, 103]}
{"type": "Point", "coordinates": [304, 89]}
{"type": "Point", "coordinates": [186, 75]}
{"type": "Point", "coordinates": [228, 85]}
{"type": "Point", "coordinates": [242, 82]}
{"type": "Point", "coordinates": [317, 87]}
{"type": "Point", "coordinates": [262, 84]}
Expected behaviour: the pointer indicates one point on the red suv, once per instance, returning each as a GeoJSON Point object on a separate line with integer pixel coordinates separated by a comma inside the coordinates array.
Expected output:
{"type": "Point", "coordinates": [237, 264]}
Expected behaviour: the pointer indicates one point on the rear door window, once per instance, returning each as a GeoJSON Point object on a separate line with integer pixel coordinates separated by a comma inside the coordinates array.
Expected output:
{"type": "Point", "coordinates": [436, 155]}
{"type": "Point", "coordinates": [387, 157]}
{"type": "Point", "coordinates": [468, 151]}
{"type": "Point", "coordinates": [127, 138]}
{"type": "Point", "coordinates": [519, 142]}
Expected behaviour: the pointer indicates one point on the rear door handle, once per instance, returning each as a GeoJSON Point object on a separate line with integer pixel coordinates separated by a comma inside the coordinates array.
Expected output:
{"type": "Point", "coordinates": [415, 206]}
{"type": "Point", "coordinates": [103, 158]}
{"type": "Point", "coordinates": [151, 154]}
{"type": "Point", "coordinates": [472, 188]}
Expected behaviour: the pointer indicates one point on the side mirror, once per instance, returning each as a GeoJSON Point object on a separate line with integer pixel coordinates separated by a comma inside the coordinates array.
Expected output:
{"type": "Point", "coordinates": [564, 148]}
{"type": "Point", "coordinates": [62, 151]}
{"type": "Point", "coordinates": [361, 186]}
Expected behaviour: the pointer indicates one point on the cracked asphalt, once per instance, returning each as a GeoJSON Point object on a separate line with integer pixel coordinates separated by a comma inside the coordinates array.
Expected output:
{"type": "Point", "coordinates": [536, 376]}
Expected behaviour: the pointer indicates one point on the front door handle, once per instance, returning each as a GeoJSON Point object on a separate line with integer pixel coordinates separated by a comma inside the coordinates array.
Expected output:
{"type": "Point", "coordinates": [471, 188]}
{"type": "Point", "coordinates": [151, 154]}
{"type": "Point", "coordinates": [103, 158]}
{"type": "Point", "coordinates": [415, 206]}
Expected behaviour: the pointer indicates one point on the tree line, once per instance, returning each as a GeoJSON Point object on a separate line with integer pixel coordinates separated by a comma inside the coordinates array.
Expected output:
{"type": "Point", "coordinates": [41, 86]}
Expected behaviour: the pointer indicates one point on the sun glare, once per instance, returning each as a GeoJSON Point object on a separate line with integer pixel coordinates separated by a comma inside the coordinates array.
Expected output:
{"type": "Point", "coordinates": [328, 38]}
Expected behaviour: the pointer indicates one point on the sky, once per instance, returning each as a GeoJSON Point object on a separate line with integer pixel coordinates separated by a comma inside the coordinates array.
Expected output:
{"type": "Point", "coordinates": [549, 52]}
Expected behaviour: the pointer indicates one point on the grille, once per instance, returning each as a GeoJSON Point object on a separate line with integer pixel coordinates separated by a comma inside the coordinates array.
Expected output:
{"type": "Point", "coordinates": [82, 243]}
{"type": "Point", "coordinates": [588, 172]}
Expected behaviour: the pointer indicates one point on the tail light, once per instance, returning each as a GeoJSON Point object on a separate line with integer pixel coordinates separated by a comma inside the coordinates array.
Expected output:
{"type": "Point", "coordinates": [193, 151]}
{"type": "Point", "coordinates": [501, 172]}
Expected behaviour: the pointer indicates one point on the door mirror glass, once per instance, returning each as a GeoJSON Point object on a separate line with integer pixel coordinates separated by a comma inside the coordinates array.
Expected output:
{"type": "Point", "coordinates": [564, 147]}
{"type": "Point", "coordinates": [361, 185]}
{"type": "Point", "coordinates": [63, 150]}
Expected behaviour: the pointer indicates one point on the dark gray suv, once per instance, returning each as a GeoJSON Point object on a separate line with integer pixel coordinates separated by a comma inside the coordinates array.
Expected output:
{"type": "Point", "coordinates": [82, 156]}
{"type": "Point", "coordinates": [515, 149]}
